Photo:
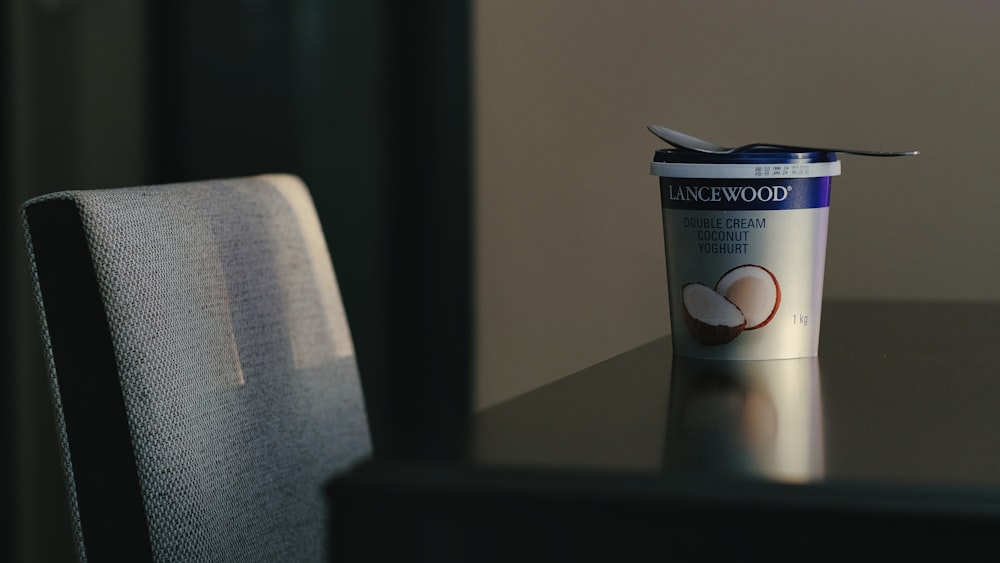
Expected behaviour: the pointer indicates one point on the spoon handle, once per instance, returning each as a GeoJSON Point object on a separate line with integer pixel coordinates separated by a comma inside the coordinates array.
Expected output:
{"type": "Point", "coordinates": [861, 152]}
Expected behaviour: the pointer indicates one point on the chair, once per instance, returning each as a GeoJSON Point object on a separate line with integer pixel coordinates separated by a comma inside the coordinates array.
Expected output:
{"type": "Point", "coordinates": [202, 370]}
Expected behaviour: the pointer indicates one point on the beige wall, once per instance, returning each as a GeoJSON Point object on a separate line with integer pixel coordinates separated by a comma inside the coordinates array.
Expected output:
{"type": "Point", "coordinates": [570, 266]}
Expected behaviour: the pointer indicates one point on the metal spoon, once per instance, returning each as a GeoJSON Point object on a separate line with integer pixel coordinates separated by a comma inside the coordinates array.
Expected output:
{"type": "Point", "coordinates": [685, 141]}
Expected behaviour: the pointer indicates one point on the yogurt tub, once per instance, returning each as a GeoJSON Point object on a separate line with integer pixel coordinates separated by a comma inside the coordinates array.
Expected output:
{"type": "Point", "coordinates": [745, 240]}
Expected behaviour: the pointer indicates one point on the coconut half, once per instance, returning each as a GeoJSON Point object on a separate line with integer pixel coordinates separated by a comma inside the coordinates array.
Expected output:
{"type": "Point", "coordinates": [711, 319]}
{"type": "Point", "coordinates": [755, 290]}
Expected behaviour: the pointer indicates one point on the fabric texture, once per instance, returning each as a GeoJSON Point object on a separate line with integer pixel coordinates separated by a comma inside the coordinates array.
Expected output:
{"type": "Point", "coordinates": [234, 358]}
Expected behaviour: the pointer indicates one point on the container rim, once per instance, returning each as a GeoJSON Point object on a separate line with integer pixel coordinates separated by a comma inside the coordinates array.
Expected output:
{"type": "Point", "coordinates": [753, 163]}
{"type": "Point", "coordinates": [757, 170]}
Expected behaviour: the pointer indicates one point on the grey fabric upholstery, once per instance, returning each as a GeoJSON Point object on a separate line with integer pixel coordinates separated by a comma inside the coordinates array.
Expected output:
{"type": "Point", "coordinates": [202, 369]}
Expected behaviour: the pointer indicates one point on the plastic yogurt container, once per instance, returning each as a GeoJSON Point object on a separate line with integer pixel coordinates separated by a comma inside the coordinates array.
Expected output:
{"type": "Point", "coordinates": [745, 240]}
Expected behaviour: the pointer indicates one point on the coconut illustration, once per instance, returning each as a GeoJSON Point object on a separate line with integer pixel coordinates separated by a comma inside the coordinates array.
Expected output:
{"type": "Point", "coordinates": [710, 317]}
{"type": "Point", "coordinates": [754, 290]}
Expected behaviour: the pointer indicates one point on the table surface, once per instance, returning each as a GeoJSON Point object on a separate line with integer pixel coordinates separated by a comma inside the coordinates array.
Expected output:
{"type": "Point", "coordinates": [901, 394]}
{"type": "Point", "coordinates": [887, 443]}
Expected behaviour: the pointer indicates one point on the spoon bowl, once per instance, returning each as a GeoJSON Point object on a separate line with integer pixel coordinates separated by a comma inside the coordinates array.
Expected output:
{"type": "Point", "coordinates": [685, 141]}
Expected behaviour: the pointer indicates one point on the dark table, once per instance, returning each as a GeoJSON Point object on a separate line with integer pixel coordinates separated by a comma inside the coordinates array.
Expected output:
{"type": "Point", "coordinates": [886, 445]}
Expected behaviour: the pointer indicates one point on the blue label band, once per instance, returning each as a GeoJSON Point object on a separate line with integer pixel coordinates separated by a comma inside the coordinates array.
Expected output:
{"type": "Point", "coordinates": [744, 194]}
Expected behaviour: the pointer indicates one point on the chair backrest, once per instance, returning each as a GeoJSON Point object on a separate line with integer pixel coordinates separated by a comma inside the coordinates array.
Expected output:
{"type": "Point", "coordinates": [202, 370]}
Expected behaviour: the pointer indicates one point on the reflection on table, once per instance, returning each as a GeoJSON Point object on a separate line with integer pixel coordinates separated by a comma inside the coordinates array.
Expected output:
{"type": "Point", "coordinates": [746, 418]}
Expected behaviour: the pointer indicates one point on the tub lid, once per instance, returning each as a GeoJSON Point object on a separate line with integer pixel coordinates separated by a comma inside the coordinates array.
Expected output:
{"type": "Point", "coordinates": [753, 163]}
